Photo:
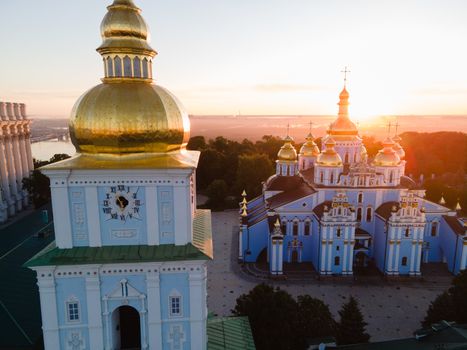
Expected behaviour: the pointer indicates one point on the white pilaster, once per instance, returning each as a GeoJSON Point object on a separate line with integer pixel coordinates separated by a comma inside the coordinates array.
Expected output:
{"type": "Point", "coordinates": [198, 309]}
{"type": "Point", "coordinates": [412, 256]}
{"type": "Point", "coordinates": [93, 299]}
{"type": "Point", "coordinates": [61, 208]}
{"type": "Point", "coordinates": [154, 311]}
{"type": "Point", "coordinates": [273, 258]}
{"type": "Point", "coordinates": [183, 220]}
{"type": "Point", "coordinates": [240, 243]}
{"type": "Point", "coordinates": [391, 249]}
{"type": "Point", "coordinates": [152, 215]}
{"type": "Point", "coordinates": [344, 248]}
{"type": "Point", "coordinates": [329, 269]}
{"type": "Point", "coordinates": [92, 214]}
{"type": "Point", "coordinates": [351, 247]}
{"type": "Point", "coordinates": [280, 257]}
{"type": "Point", "coordinates": [419, 258]}
{"type": "Point", "coordinates": [48, 300]}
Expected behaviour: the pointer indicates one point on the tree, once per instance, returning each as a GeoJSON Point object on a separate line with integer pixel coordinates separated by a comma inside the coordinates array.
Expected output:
{"type": "Point", "coordinates": [217, 191]}
{"type": "Point", "coordinates": [37, 184]}
{"type": "Point", "coordinates": [197, 143]}
{"type": "Point", "coordinates": [211, 166]}
{"type": "Point", "coordinates": [251, 172]}
{"type": "Point", "coordinates": [273, 317]}
{"type": "Point", "coordinates": [451, 305]}
{"type": "Point", "coordinates": [351, 327]}
{"type": "Point", "coordinates": [314, 319]}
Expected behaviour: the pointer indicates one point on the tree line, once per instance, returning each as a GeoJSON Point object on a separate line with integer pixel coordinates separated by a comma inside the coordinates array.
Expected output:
{"type": "Point", "coordinates": [279, 321]}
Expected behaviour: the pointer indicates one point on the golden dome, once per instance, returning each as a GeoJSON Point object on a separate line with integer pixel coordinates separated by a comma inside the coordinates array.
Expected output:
{"type": "Point", "coordinates": [397, 147]}
{"type": "Point", "coordinates": [287, 151]}
{"type": "Point", "coordinates": [126, 117]}
{"type": "Point", "coordinates": [343, 126]}
{"type": "Point", "coordinates": [309, 148]}
{"type": "Point", "coordinates": [329, 157]}
{"type": "Point", "coordinates": [124, 30]}
{"type": "Point", "coordinates": [127, 114]}
{"type": "Point", "coordinates": [387, 156]}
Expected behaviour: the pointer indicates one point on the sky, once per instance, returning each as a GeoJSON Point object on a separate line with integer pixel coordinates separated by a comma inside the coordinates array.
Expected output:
{"type": "Point", "coordinates": [267, 57]}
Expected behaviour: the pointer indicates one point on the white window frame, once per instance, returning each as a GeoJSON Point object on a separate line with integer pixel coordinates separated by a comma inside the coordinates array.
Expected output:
{"type": "Point", "coordinates": [180, 304]}
{"type": "Point", "coordinates": [68, 302]}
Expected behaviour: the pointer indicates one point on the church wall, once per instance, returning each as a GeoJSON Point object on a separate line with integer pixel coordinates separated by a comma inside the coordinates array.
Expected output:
{"type": "Point", "coordinates": [71, 289]}
{"type": "Point", "coordinates": [79, 229]}
{"type": "Point", "coordinates": [448, 245]}
{"type": "Point", "coordinates": [434, 251]}
{"type": "Point", "coordinates": [380, 244]}
{"type": "Point", "coordinates": [315, 243]}
{"type": "Point", "coordinates": [258, 240]}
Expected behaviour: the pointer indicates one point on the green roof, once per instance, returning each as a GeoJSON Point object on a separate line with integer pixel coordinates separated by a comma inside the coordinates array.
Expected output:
{"type": "Point", "coordinates": [230, 333]}
{"type": "Point", "coordinates": [199, 249]}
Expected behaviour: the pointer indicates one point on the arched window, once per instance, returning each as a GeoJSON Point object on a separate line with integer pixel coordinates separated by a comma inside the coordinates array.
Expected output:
{"type": "Point", "coordinates": [391, 176]}
{"type": "Point", "coordinates": [337, 261]}
{"type": "Point", "coordinates": [346, 158]}
{"type": "Point", "coordinates": [110, 67]}
{"type": "Point", "coordinates": [404, 261]}
{"type": "Point", "coordinates": [321, 178]}
{"type": "Point", "coordinates": [284, 227]}
{"type": "Point", "coordinates": [145, 68]}
{"type": "Point", "coordinates": [338, 232]}
{"type": "Point", "coordinates": [434, 229]}
{"type": "Point", "coordinates": [73, 309]}
{"type": "Point", "coordinates": [137, 67]}
{"type": "Point", "coordinates": [407, 232]}
{"type": "Point", "coordinates": [360, 198]}
{"type": "Point", "coordinates": [359, 214]}
{"type": "Point", "coordinates": [307, 228]}
{"type": "Point", "coordinates": [127, 66]}
{"type": "Point", "coordinates": [332, 178]}
{"type": "Point", "coordinates": [118, 66]}
{"type": "Point", "coordinates": [368, 214]}
{"type": "Point", "coordinates": [295, 228]}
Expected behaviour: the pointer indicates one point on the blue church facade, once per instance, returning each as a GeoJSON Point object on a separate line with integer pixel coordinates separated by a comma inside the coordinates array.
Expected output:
{"type": "Point", "coordinates": [339, 210]}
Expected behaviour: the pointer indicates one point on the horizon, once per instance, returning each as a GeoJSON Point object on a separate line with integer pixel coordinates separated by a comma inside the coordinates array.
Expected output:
{"type": "Point", "coordinates": [250, 65]}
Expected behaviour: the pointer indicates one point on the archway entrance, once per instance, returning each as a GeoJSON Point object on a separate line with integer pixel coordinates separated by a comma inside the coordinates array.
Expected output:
{"type": "Point", "coordinates": [126, 328]}
{"type": "Point", "coordinates": [294, 256]}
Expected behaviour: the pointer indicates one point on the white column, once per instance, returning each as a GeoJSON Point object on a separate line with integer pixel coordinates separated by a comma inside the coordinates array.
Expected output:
{"type": "Point", "coordinates": [4, 175]}
{"type": "Point", "coordinates": [198, 309]}
{"type": "Point", "coordinates": [49, 314]}
{"type": "Point", "coordinates": [183, 219]}
{"type": "Point", "coordinates": [398, 246]}
{"type": "Point", "coordinates": [280, 257]}
{"type": "Point", "coordinates": [154, 311]}
{"type": "Point", "coordinates": [240, 243]}
{"type": "Point", "coordinates": [412, 256]}
{"type": "Point", "coordinates": [24, 154]}
{"type": "Point", "coordinates": [464, 256]}
{"type": "Point", "coordinates": [61, 209]}
{"type": "Point", "coordinates": [273, 265]}
{"type": "Point", "coordinates": [92, 215]}
{"type": "Point", "coordinates": [152, 228]}
{"type": "Point", "coordinates": [419, 257]}
{"type": "Point", "coordinates": [323, 249]}
{"type": "Point", "coordinates": [344, 248]}
{"type": "Point", "coordinates": [11, 172]}
{"type": "Point", "coordinates": [18, 166]}
{"type": "Point", "coordinates": [93, 299]}
{"type": "Point", "coordinates": [329, 256]}
{"type": "Point", "coordinates": [391, 249]}
{"type": "Point", "coordinates": [351, 245]}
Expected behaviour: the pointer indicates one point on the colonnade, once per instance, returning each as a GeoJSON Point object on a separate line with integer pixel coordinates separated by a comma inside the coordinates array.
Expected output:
{"type": "Point", "coordinates": [15, 158]}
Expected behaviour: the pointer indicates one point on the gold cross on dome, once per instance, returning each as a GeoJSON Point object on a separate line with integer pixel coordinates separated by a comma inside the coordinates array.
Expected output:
{"type": "Point", "coordinates": [345, 71]}
{"type": "Point", "coordinates": [389, 128]}
{"type": "Point", "coordinates": [396, 125]}
{"type": "Point", "coordinates": [311, 126]}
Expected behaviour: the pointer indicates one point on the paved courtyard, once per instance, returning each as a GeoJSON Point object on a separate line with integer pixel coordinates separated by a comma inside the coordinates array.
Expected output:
{"type": "Point", "coordinates": [391, 309]}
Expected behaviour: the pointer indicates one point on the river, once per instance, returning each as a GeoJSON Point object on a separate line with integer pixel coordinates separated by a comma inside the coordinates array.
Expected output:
{"type": "Point", "coordinates": [45, 150]}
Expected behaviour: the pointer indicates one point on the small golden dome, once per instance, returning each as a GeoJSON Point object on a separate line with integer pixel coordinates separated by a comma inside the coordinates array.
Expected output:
{"type": "Point", "coordinates": [399, 150]}
{"type": "Point", "coordinates": [329, 157]}
{"type": "Point", "coordinates": [126, 117]}
{"type": "Point", "coordinates": [287, 151]}
{"type": "Point", "coordinates": [309, 148]}
{"type": "Point", "coordinates": [343, 126]}
{"type": "Point", "coordinates": [123, 29]}
{"type": "Point", "coordinates": [387, 156]}
{"type": "Point", "coordinates": [363, 150]}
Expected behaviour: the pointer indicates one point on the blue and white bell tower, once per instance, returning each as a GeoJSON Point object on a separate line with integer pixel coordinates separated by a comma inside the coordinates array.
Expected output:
{"type": "Point", "coordinates": [128, 267]}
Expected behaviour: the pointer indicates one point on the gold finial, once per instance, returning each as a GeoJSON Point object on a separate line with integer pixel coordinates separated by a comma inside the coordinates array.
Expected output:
{"type": "Point", "coordinates": [442, 201]}
{"type": "Point", "coordinates": [244, 213]}
{"type": "Point", "coordinates": [244, 193]}
{"type": "Point", "coordinates": [244, 201]}
{"type": "Point", "coordinates": [243, 206]}
{"type": "Point", "coordinates": [458, 205]}
{"type": "Point", "coordinates": [277, 223]}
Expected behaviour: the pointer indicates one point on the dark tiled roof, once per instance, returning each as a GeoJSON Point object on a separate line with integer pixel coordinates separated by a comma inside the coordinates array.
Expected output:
{"type": "Point", "coordinates": [361, 232]}
{"type": "Point", "coordinates": [455, 224]}
{"type": "Point", "coordinates": [385, 209]}
{"type": "Point", "coordinates": [230, 333]}
{"type": "Point", "coordinates": [283, 183]}
{"type": "Point", "coordinates": [319, 209]}
{"type": "Point", "coordinates": [300, 191]}
{"type": "Point", "coordinates": [199, 249]}
{"type": "Point", "coordinates": [407, 182]}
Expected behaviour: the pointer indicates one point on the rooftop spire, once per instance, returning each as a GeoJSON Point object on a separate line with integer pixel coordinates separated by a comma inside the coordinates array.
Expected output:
{"type": "Point", "coordinates": [345, 71]}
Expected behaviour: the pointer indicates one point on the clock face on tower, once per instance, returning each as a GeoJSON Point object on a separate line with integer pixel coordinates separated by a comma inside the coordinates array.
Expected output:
{"type": "Point", "coordinates": [122, 203]}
